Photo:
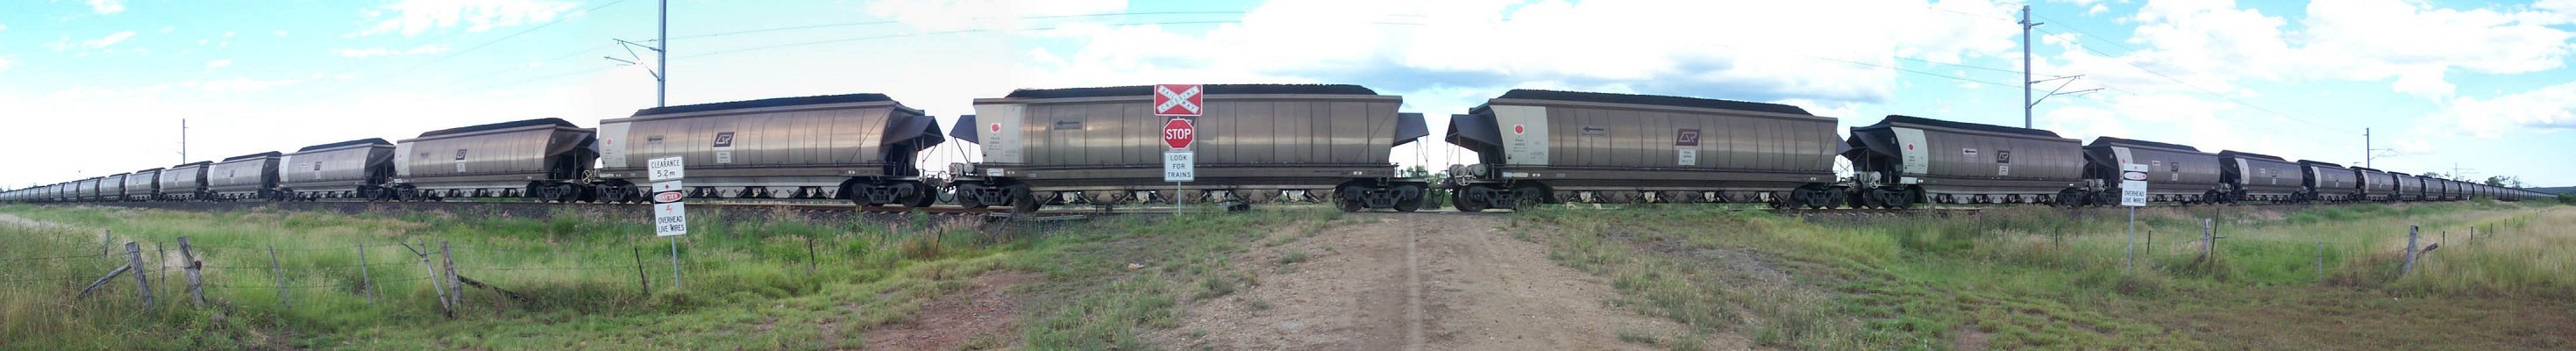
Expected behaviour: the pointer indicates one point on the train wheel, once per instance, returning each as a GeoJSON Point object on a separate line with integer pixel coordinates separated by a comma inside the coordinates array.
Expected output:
{"type": "Point", "coordinates": [1022, 201]}
{"type": "Point", "coordinates": [2070, 198]}
{"type": "Point", "coordinates": [1413, 203]}
{"type": "Point", "coordinates": [1458, 198]}
{"type": "Point", "coordinates": [967, 200]}
{"type": "Point", "coordinates": [923, 195]}
{"type": "Point", "coordinates": [1529, 196]}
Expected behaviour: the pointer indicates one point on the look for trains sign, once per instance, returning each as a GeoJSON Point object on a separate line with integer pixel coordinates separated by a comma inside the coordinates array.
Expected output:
{"type": "Point", "coordinates": [1178, 100]}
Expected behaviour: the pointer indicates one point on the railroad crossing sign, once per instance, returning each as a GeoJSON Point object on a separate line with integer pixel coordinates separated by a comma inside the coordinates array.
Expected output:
{"type": "Point", "coordinates": [2133, 185]}
{"type": "Point", "coordinates": [1179, 133]}
{"type": "Point", "coordinates": [1178, 100]}
{"type": "Point", "coordinates": [670, 215]}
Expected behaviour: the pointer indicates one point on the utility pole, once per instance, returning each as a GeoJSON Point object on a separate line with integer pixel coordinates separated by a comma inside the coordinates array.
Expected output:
{"type": "Point", "coordinates": [2369, 154]}
{"type": "Point", "coordinates": [2026, 102]}
{"type": "Point", "coordinates": [662, 58]}
{"type": "Point", "coordinates": [2460, 174]}
{"type": "Point", "coordinates": [183, 141]}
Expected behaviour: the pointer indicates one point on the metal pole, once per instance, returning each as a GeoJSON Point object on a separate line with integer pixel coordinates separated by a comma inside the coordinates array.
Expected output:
{"type": "Point", "coordinates": [662, 58]}
{"type": "Point", "coordinates": [1177, 200]}
{"type": "Point", "coordinates": [2025, 66]}
{"type": "Point", "coordinates": [2131, 253]}
{"type": "Point", "coordinates": [366, 280]}
{"type": "Point", "coordinates": [675, 263]}
{"type": "Point", "coordinates": [2365, 149]}
{"type": "Point", "coordinates": [274, 270]}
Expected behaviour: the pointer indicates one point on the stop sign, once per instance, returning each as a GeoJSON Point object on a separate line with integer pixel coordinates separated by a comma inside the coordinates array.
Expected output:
{"type": "Point", "coordinates": [1178, 133]}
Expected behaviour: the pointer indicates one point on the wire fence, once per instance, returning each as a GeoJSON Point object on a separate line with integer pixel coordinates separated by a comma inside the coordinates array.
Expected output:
{"type": "Point", "coordinates": [452, 272]}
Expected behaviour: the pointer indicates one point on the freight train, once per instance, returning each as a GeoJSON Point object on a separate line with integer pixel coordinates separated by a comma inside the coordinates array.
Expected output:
{"type": "Point", "coordinates": [1264, 143]}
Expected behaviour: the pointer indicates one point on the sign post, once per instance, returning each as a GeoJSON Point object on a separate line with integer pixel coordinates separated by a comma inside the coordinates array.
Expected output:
{"type": "Point", "coordinates": [670, 214]}
{"type": "Point", "coordinates": [1181, 102]}
{"type": "Point", "coordinates": [1180, 165]}
{"type": "Point", "coordinates": [2133, 193]}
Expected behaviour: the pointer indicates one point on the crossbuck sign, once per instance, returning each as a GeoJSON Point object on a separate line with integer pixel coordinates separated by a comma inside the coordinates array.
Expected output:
{"type": "Point", "coordinates": [1178, 100]}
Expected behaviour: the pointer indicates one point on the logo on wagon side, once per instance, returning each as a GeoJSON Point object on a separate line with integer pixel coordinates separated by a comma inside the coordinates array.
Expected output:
{"type": "Point", "coordinates": [1686, 137]}
{"type": "Point", "coordinates": [724, 139]}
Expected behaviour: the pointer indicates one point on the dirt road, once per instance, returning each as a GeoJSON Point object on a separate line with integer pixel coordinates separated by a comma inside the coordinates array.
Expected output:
{"type": "Point", "coordinates": [1419, 281]}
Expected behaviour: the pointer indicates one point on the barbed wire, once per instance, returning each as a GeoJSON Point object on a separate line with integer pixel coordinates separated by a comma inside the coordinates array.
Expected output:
{"type": "Point", "coordinates": [48, 258]}
{"type": "Point", "coordinates": [542, 268]}
{"type": "Point", "coordinates": [74, 278]}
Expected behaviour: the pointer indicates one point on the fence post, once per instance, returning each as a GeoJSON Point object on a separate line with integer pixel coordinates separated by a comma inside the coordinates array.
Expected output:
{"type": "Point", "coordinates": [366, 281]}
{"type": "Point", "coordinates": [2208, 240]}
{"type": "Point", "coordinates": [103, 242]}
{"type": "Point", "coordinates": [2409, 266]}
{"type": "Point", "coordinates": [640, 280]}
{"type": "Point", "coordinates": [274, 270]}
{"type": "Point", "coordinates": [196, 282]}
{"type": "Point", "coordinates": [436, 285]}
{"type": "Point", "coordinates": [809, 254]}
{"type": "Point", "coordinates": [2321, 262]}
{"type": "Point", "coordinates": [134, 257]}
{"type": "Point", "coordinates": [455, 289]}
{"type": "Point", "coordinates": [161, 262]}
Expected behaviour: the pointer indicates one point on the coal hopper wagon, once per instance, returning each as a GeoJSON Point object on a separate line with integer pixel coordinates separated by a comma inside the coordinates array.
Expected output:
{"type": "Point", "coordinates": [543, 159]}
{"type": "Point", "coordinates": [1253, 144]}
{"type": "Point", "coordinates": [245, 177]}
{"type": "Point", "coordinates": [2258, 177]}
{"type": "Point", "coordinates": [859, 147]}
{"type": "Point", "coordinates": [1904, 160]}
{"type": "Point", "coordinates": [1540, 146]}
{"type": "Point", "coordinates": [2175, 173]}
{"type": "Point", "coordinates": [350, 169]}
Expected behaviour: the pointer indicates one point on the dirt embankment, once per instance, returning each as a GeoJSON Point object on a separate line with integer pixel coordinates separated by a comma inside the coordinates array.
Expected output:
{"type": "Point", "coordinates": [1413, 282]}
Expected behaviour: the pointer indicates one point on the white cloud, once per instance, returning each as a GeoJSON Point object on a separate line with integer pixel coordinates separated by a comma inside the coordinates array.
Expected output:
{"type": "Point", "coordinates": [107, 7]}
{"type": "Point", "coordinates": [280, 33]}
{"type": "Point", "coordinates": [1595, 45]}
{"type": "Point", "coordinates": [219, 63]}
{"type": "Point", "coordinates": [7, 62]}
{"type": "Point", "coordinates": [4, 27]}
{"type": "Point", "coordinates": [411, 17]}
{"type": "Point", "coordinates": [168, 29]}
{"type": "Point", "coordinates": [2097, 9]}
{"type": "Point", "coordinates": [374, 52]}
{"type": "Point", "coordinates": [2546, 108]}
{"type": "Point", "coordinates": [946, 15]}
{"type": "Point", "coordinates": [239, 84]}
{"type": "Point", "coordinates": [110, 39]}
{"type": "Point", "coordinates": [2416, 43]}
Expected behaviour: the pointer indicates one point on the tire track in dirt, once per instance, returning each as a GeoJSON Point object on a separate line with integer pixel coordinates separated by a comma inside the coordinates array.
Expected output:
{"type": "Point", "coordinates": [1416, 281]}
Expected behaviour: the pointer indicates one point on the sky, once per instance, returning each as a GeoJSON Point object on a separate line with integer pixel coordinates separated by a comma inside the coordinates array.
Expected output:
{"type": "Point", "coordinates": [98, 87]}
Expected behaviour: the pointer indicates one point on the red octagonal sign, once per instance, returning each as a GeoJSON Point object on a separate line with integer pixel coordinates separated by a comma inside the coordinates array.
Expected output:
{"type": "Point", "coordinates": [1179, 133]}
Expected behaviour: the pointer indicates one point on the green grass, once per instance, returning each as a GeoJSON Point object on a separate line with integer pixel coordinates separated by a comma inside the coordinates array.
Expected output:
{"type": "Point", "coordinates": [747, 284]}
{"type": "Point", "coordinates": [2043, 278]}
{"type": "Point", "coordinates": [1097, 301]}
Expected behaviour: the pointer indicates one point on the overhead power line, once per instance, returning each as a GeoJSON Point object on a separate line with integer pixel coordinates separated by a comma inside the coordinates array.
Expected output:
{"type": "Point", "coordinates": [557, 20]}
